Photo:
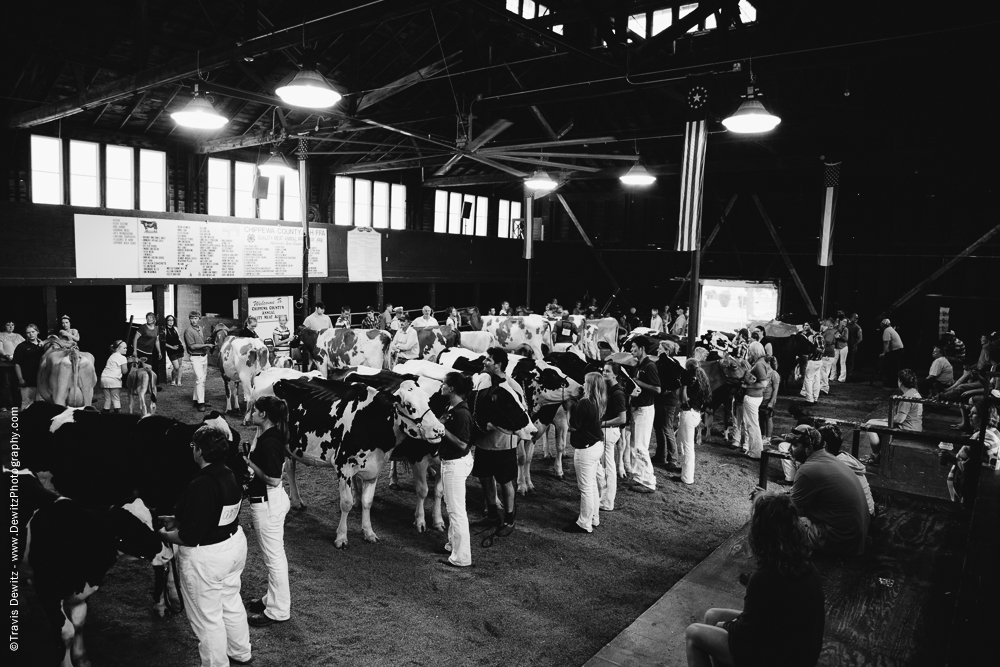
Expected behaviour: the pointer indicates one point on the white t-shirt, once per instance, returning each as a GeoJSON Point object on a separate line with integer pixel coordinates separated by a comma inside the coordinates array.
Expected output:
{"type": "Point", "coordinates": [424, 322]}
{"type": "Point", "coordinates": [406, 344]}
{"type": "Point", "coordinates": [941, 369]}
{"type": "Point", "coordinates": [318, 322]}
{"type": "Point", "coordinates": [656, 323]}
{"type": "Point", "coordinates": [9, 341]}
{"type": "Point", "coordinates": [890, 335]}
{"type": "Point", "coordinates": [113, 369]}
{"type": "Point", "coordinates": [908, 415]}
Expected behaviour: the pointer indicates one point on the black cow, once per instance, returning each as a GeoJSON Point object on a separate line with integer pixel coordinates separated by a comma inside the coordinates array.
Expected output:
{"type": "Point", "coordinates": [352, 428]}
{"type": "Point", "coordinates": [69, 548]}
{"type": "Point", "coordinates": [789, 352]}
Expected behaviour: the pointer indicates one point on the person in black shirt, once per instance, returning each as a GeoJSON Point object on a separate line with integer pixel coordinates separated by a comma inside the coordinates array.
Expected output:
{"type": "Point", "coordinates": [27, 359]}
{"type": "Point", "coordinates": [268, 507]}
{"type": "Point", "coordinates": [456, 466]}
{"type": "Point", "coordinates": [249, 329]}
{"type": "Point", "coordinates": [696, 391]}
{"type": "Point", "coordinates": [648, 378]}
{"type": "Point", "coordinates": [614, 420]}
{"type": "Point", "coordinates": [213, 551]}
{"type": "Point", "coordinates": [665, 406]}
{"type": "Point", "coordinates": [784, 610]}
{"type": "Point", "coordinates": [588, 448]}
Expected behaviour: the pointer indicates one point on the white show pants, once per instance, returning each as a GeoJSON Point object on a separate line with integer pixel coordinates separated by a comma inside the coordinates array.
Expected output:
{"type": "Point", "coordinates": [269, 523]}
{"type": "Point", "coordinates": [607, 477]}
{"type": "Point", "coordinates": [842, 363]}
{"type": "Point", "coordinates": [453, 476]}
{"type": "Point", "coordinates": [751, 424]}
{"type": "Point", "coordinates": [811, 381]}
{"type": "Point", "coordinates": [824, 379]}
{"type": "Point", "coordinates": [586, 461]}
{"type": "Point", "coordinates": [787, 466]}
{"type": "Point", "coordinates": [643, 421]}
{"type": "Point", "coordinates": [210, 586]}
{"type": "Point", "coordinates": [687, 422]}
{"type": "Point", "coordinates": [200, 366]}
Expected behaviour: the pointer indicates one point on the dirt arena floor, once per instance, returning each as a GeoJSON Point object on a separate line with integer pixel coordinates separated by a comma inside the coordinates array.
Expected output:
{"type": "Point", "coordinates": [538, 597]}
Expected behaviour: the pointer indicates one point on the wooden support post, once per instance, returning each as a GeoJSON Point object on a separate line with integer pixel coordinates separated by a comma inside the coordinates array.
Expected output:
{"type": "Point", "coordinates": [51, 311]}
{"type": "Point", "coordinates": [708, 242]}
{"type": "Point", "coordinates": [317, 289]}
{"type": "Point", "coordinates": [784, 256]}
{"type": "Point", "coordinates": [947, 266]}
{"type": "Point", "coordinates": [432, 295]}
{"type": "Point", "coordinates": [244, 305]}
{"type": "Point", "coordinates": [160, 308]}
{"type": "Point", "coordinates": [586, 239]}
{"type": "Point", "coordinates": [694, 306]}
{"type": "Point", "coordinates": [380, 296]}
{"type": "Point", "coordinates": [476, 294]}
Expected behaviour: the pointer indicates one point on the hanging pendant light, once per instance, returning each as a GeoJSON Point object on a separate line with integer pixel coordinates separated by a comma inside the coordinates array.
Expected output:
{"type": "Point", "coordinates": [637, 175]}
{"type": "Point", "coordinates": [540, 180]}
{"type": "Point", "coordinates": [199, 114]}
{"type": "Point", "coordinates": [309, 89]}
{"type": "Point", "coordinates": [276, 165]}
{"type": "Point", "coordinates": [751, 117]}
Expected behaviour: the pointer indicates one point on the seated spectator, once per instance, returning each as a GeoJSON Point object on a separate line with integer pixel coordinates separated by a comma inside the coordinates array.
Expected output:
{"type": "Point", "coordinates": [828, 496]}
{"type": "Point", "coordinates": [397, 313]}
{"type": "Point", "coordinates": [404, 344]}
{"type": "Point", "coordinates": [909, 416]}
{"type": "Point", "coordinates": [453, 320]}
{"type": "Point", "coordinates": [784, 609]}
{"type": "Point", "coordinates": [371, 320]}
{"type": "Point", "coordinates": [940, 376]}
{"type": "Point", "coordinates": [833, 441]}
{"type": "Point", "coordinates": [553, 310]}
{"type": "Point", "coordinates": [991, 449]}
{"type": "Point", "coordinates": [953, 349]}
{"type": "Point", "coordinates": [426, 319]}
{"type": "Point", "coordinates": [989, 377]}
{"type": "Point", "coordinates": [344, 320]}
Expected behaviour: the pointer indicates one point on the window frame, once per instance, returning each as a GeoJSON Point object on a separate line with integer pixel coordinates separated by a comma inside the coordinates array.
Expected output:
{"type": "Point", "coordinates": [108, 177]}
{"type": "Point", "coordinates": [163, 183]}
{"type": "Point", "coordinates": [60, 197]}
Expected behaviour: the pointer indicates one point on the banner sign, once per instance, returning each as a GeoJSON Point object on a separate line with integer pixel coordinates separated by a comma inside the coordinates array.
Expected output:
{"type": "Point", "coordinates": [364, 255]}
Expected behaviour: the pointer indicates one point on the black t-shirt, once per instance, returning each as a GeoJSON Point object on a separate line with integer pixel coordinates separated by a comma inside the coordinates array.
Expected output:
{"type": "Point", "coordinates": [782, 621]}
{"type": "Point", "coordinates": [646, 372]}
{"type": "Point", "coordinates": [696, 399]}
{"type": "Point", "coordinates": [208, 511]}
{"type": "Point", "coordinates": [616, 403]}
{"type": "Point", "coordinates": [269, 455]}
{"type": "Point", "coordinates": [587, 424]}
{"type": "Point", "coordinates": [28, 356]}
{"type": "Point", "coordinates": [671, 373]}
{"type": "Point", "coordinates": [458, 422]}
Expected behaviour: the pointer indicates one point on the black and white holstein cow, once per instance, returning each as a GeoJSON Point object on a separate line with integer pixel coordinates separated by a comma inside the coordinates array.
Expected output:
{"type": "Point", "coordinates": [546, 389]}
{"type": "Point", "coordinates": [102, 460]}
{"type": "Point", "coordinates": [500, 407]}
{"type": "Point", "coordinates": [353, 429]}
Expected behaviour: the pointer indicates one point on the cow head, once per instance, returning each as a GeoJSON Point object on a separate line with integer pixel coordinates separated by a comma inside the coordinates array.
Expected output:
{"type": "Point", "coordinates": [414, 415]}
{"type": "Point", "coordinates": [132, 535]}
{"type": "Point", "coordinates": [304, 339]}
{"type": "Point", "coordinates": [509, 412]}
{"type": "Point", "coordinates": [545, 384]}
{"type": "Point", "coordinates": [234, 454]}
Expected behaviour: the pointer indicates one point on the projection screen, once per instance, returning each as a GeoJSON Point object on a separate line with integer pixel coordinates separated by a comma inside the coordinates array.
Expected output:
{"type": "Point", "coordinates": [727, 305]}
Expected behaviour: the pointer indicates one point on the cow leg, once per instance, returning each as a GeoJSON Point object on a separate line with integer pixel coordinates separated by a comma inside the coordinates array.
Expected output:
{"type": "Point", "coordinates": [75, 608]}
{"type": "Point", "coordinates": [367, 498]}
{"type": "Point", "coordinates": [393, 475]}
{"type": "Point", "coordinates": [420, 486]}
{"type": "Point", "coordinates": [546, 452]}
{"type": "Point", "coordinates": [346, 503]}
{"type": "Point", "coordinates": [561, 424]}
{"type": "Point", "coordinates": [437, 512]}
{"type": "Point", "coordinates": [293, 487]}
{"type": "Point", "coordinates": [525, 448]}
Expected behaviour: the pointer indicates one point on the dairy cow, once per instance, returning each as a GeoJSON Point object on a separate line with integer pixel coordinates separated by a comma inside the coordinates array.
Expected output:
{"type": "Point", "coordinates": [432, 341]}
{"type": "Point", "coordinates": [66, 376]}
{"type": "Point", "coordinates": [353, 429]}
{"type": "Point", "coordinates": [239, 360]}
{"type": "Point", "coordinates": [337, 348]}
{"type": "Point", "coordinates": [511, 333]}
{"type": "Point", "coordinates": [478, 341]}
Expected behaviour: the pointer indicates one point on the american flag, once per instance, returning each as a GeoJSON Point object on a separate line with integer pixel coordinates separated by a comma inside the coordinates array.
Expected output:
{"type": "Point", "coordinates": [831, 185]}
{"type": "Point", "coordinates": [693, 170]}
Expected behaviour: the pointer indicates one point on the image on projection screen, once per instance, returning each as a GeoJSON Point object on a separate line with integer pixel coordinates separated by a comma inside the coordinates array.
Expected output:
{"type": "Point", "coordinates": [728, 305]}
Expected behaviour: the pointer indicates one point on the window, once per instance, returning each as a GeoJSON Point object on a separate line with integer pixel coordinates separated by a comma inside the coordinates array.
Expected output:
{"type": "Point", "coordinates": [662, 19]}
{"type": "Point", "coordinates": [343, 201]}
{"type": "Point", "coordinates": [748, 13]}
{"type": "Point", "coordinates": [218, 187]}
{"type": "Point", "coordinates": [362, 202]}
{"type": "Point", "coordinates": [482, 208]}
{"type": "Point", "coordinates": [543, 10]}
{"type": "Point", "coordinates": [684, 11]}
{"type": "Point", "coordinates": [710, 23]}
{"type": "Point", "coordinates": [380, 205]}
{"type": "Point", "coordinates": [118, 170]}
{"type": "Point", "coordinates": [509, 210]}
{"type": "Point", "coordinates": [528, 9]}
{"type": "Point", "coordinates": [637, 24]}
{"type": "Point", "coordinates": [293, 203]}
{"type": "Point", "coordinates": [454, 212]}
{"type": "Point", "coordinates": [269, 207]}
{"type": "Point", "coordinates": [557, 29]}
{"type": "Point", "coordinates": [512, 5]}
{"type": "Point", "coordinates": [46, 170]}
{"type": "Point", "coordinates": [441, 211]}
{"type": "Point", "coordinates": [397, 215]}
{"type": "Point", "coordinates": [84, 189]}
{"type": "Point", "coordinates": [152, 181]}
{"type": "Point", "coordinates": [246, 207]}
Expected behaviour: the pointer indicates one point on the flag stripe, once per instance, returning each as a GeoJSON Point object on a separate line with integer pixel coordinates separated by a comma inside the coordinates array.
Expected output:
{"type": "Point", "coordinates": [692, 184]}
{"type": "Point", "coordinates": [831, 183]}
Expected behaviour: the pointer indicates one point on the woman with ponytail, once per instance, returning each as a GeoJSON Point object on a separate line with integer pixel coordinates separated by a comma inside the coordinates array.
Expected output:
{"type": "Point", "coordinates": [588, 448]}
{"type": "Point", "coordinates": [268, 506]}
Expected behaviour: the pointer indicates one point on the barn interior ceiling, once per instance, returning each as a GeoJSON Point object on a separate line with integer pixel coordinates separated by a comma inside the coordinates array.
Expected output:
{"type": "Point", "coordinates": [475, 92]}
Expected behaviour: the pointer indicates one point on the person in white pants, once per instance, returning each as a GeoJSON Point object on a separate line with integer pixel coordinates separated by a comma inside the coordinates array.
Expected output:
{"type": "Point", "coordinates": [648, 379]}
{"type": "Point", "coordinates": [696, 391]}
{"type": "Point", "coordinates": [755, 394]}
{"type": "Point", "coordinates": [611, 426]}
{"type": "Point", "coordinates": [456, 466]}
{"type": "Point", "coordinates": [268, 506]}
{"type": "Point", "coordinates": [213, 551]}
{"type": "Point", "coordinates": [811, 380]}
{"type": "Point", "coordinates": [588, 449]}
{"type": "Point", "coordinates": [198, 349]}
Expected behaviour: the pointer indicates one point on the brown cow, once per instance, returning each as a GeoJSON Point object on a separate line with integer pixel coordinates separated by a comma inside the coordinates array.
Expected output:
{"type": "Point", "coordinates": [66, 376]}
{"type": "Point", "coordinates": [140, 380]}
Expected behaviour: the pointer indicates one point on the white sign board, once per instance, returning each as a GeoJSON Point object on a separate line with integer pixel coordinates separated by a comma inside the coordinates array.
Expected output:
{"type": "Point", "coordinates": [267, 309]}
{"type": "Point", "coordinates": [364, 256]}
{"type": "Point", "coordinates": [147, 248]}
{"type": "Point", "coordinates": [729, 305]}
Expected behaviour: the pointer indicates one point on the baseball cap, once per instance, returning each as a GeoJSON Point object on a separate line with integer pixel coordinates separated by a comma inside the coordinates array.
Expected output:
{"type": "Point", "coordinates": [370, 309]}
{"type": "Point", "coordinates": [807, 435]}
{"type": "Point", "coordinates": [397, 309]}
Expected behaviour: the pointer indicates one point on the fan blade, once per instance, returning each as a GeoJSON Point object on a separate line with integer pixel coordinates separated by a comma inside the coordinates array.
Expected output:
{"type": "Point", "coordinates": [448, 165]}
{"type": "Point", "coordinates": [491, 132]}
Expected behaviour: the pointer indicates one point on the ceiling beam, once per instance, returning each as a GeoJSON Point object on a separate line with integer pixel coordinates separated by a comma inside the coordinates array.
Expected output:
{"type": "Point", "coordinates": [210, 59]}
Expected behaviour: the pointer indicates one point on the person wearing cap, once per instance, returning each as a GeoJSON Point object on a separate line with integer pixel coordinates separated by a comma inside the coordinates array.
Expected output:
{"type": "Point", "coordinates": [828, 496]}
{"type": "Point", "coordinates": [344, 320]}
{"type": "Point", "coordinates": [405, 345]}
{"type": "Point", "coordinates": [319, 320]}
{"type": "Point", "coordinates": [426, 319]}
{"type": "Point", "coordinates": [647, 377]}
{"type": "Point", "coordinates": [198, 349]}
{"type": "Point", "coordinates": [892, 354]}
{"type": "Point", "coordinates": [371, 319]}
{"type": "Point", "coordinates": [397, 313]}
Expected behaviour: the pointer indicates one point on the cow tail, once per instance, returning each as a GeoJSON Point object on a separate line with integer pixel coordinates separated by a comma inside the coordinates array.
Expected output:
{"type": "Point", "coordinates": [74, 395]}
{"type": "Point", "coordinates": [152, 392]}
{"type": "Point", "coordinates": [386, 357]}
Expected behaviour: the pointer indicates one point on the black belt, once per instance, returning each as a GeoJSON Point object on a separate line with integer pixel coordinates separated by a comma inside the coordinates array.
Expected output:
{"type": "Point", "coordinates": [203, 354]}
{"type": "Point", "coordinates": [257, 499]}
